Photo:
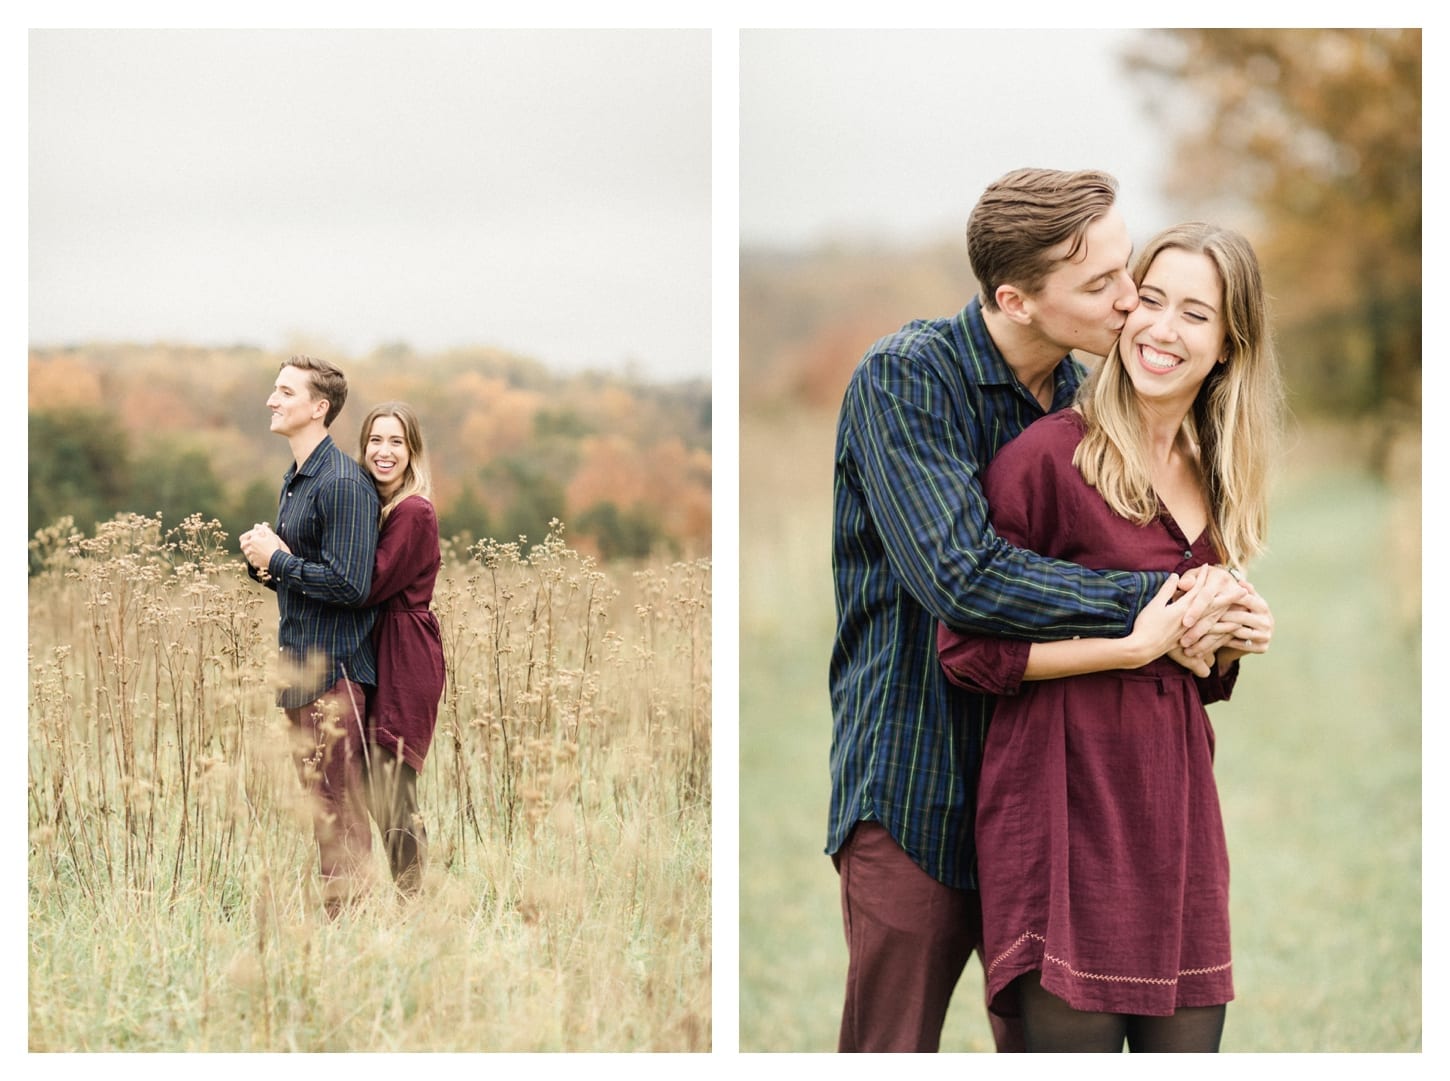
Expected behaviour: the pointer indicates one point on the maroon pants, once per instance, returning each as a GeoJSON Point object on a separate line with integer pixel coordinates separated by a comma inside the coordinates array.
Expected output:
{"type": "Point", "coordinates": [328, 749]}
{"type": "Point", "coordinates": [909, 938]}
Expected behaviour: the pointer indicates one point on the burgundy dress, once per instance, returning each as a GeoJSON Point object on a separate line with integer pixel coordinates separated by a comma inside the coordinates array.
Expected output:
{"type": "Point", "coordinates": [1101, 853]}
{"type": "Point", "coordinates": [404, 709]}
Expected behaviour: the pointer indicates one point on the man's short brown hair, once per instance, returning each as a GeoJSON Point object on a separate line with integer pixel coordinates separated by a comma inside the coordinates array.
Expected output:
{"type": "Point", "coordinates": [326, 380]}
{"type": "Point", "coordinates": [1022, 216]}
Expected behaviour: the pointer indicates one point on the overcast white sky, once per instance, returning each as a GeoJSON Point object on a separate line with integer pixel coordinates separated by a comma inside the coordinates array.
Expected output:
{"type": "Point", "coordinates": [547, 192]}
{"type": "Point", "coordinates": [895, 133]}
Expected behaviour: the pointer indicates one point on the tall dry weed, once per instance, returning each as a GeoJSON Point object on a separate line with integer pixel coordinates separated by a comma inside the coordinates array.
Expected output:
{"type": "Point", "coordinates": [566, 799]}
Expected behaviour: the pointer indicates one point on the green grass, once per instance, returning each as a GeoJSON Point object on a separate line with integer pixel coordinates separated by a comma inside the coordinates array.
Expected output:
{"type": "Point", "coordinates": [1319, 770]}
{"type": "Point", "coordinates": [1318, 766]}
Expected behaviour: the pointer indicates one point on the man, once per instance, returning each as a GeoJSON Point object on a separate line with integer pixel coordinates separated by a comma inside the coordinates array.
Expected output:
{"type": "Point", "coordinates": [926, 410]}
{"type": "Point", "coordinates": [320, 562]}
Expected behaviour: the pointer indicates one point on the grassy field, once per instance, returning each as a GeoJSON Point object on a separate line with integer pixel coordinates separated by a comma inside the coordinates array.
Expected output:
{"type": "Point", "coordinates": [172, 873]}
{"type": "Point", "coordinates": [1319, 764]}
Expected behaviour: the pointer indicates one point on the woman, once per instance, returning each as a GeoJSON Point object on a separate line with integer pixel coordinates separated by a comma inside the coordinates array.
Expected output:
{"type": "Point", "coordinates": [1103, 867]}
{"type": "Point", "coordinates": [403, 709]}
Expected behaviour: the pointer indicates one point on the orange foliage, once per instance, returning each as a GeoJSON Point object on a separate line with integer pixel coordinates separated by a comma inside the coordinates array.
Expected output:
{"type": "Point", "coordinates": [667, 476]}
{"type": "Point", "coordinates": [611, 469]}
{"type": "Point", "coordinates": [606, 440]}
{"type": "Point", "coordinates": [152, 408]}
{"type": "Point", "coordinates": [688, 514]}
{"type": "Point", "coordinates": [499, 418]}
{"type": "Point", "coordinates": [63, 382]}
{"type": "Point", "coordinates": [614, 407]}
{"type": "Point", "coordinates": [824, 362]}
{"type": "Point", "coordinates": [807, 318]}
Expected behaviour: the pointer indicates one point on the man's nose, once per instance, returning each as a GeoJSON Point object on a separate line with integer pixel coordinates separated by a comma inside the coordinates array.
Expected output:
{"type": "Point", "coordinates": [1127, 293]}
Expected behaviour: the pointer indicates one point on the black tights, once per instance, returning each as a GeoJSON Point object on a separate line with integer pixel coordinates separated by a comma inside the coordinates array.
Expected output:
{"type": "Point", "coordinates": [1050, 1024]}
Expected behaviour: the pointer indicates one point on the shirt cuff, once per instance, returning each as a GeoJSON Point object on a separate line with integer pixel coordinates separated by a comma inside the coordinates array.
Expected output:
{"type": "Point", "coordinates": [981, 664]}
{"type": "Point", "coordinates": [1216, 686]}
{"type": "Point", "coordinates": [277, 564]}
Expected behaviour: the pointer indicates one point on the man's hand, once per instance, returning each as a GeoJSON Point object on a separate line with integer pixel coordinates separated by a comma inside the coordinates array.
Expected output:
{"type": "Point", "coordinates": [1211, 592]}
{"type": "Point", "coordinates": [258, 544]}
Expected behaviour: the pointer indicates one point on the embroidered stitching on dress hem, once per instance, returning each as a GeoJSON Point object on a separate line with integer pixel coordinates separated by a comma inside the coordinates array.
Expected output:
{"type": "Point", "coordinates": [1161, 980]}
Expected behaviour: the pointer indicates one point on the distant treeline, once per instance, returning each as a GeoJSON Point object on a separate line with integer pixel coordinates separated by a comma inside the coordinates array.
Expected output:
{"type": "Point", "coordinates": [178, 430]}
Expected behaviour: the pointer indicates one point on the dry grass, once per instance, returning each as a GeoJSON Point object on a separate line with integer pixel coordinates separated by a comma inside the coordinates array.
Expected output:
{"type": "Point", "coordinates": [172, 873]}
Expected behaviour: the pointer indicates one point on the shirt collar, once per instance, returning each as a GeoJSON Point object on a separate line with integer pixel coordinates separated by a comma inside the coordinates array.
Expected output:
{"type": "Point", "coordinates": [313, 465]}
{"type": "Point", "coordinates": [987, 366]}
{"type": "Point", "coordinates": [984, 361]}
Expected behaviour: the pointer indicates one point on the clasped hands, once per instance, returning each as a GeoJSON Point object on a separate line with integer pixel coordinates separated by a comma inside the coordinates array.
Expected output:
{"type": "Point", "coordinates": [1204, 617]}
{"type": "Point", "coordinates": [258, 544]}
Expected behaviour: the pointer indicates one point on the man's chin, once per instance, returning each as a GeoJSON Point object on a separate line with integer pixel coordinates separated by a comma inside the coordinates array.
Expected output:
{"type": "Point", "coordinates": [1096, 349]}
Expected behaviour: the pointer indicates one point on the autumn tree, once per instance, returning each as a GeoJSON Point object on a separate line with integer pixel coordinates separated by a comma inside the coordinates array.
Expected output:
{"type": "Point", "coordinates": [79, 465]}
{"type": "Point", "coordinates": [631, 533]}
{"type": "Point", "coordinates": [1317, 133]}
{"type": "Point", "coordinates": [175, 480]}
{"type": "Point", "coordinates": [530, 492]}
{"type": "Point", "coordinates": [181, 429]}
{"type": "Point", "coordinates": [256, 502]}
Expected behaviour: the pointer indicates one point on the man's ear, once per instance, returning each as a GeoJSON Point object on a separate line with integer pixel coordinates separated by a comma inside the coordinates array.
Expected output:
{"type": "Point", "coordinates": [1013, 303]}
{"type": "Point", "coordinates": [320, 406]}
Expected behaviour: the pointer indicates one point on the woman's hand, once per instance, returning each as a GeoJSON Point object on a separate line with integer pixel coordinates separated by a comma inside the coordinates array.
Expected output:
{"type": "Point", "coordinates": [1160, 634]}
{"type": "Point", "coordinates": [1249, 626]}
{"type": "Point", "coordinates": [1159, 625]}
{"type": "Point", "coordinates": [1215, 591]}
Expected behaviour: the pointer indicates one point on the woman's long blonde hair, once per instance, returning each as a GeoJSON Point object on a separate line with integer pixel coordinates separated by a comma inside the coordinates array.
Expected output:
{"type": "Point", "coordinates": [416, 478]}
{"type": "Point", "coordinates": [1234, 423]}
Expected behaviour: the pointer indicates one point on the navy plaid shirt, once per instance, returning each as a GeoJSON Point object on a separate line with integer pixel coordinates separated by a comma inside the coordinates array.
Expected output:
{"type": "Point", "coordinates": [328, 515]}
{"type": "Point", "coordinates": [925, 411]}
